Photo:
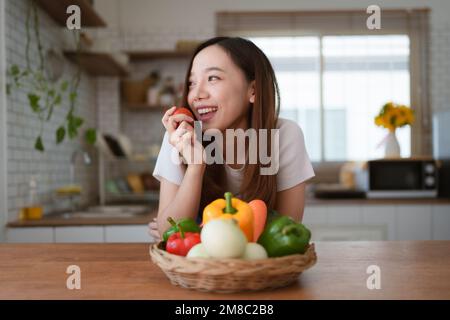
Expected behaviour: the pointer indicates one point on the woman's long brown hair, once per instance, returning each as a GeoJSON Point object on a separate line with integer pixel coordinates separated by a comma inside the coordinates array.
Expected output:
{"type": "Point", "coordinates": [262, 115]}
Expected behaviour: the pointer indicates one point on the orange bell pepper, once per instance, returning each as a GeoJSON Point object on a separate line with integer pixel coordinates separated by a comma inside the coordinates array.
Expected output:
{"type": "Point", "coordinates": [259, 209]}
{"type": "Point", "coordinates": [231, 208]}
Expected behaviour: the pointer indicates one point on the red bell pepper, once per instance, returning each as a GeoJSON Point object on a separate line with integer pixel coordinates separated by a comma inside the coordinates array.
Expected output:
{"type": "Point", "coordinates": [181, 242]}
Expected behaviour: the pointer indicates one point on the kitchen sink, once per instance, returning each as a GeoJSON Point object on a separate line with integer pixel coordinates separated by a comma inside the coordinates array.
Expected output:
{"type": "Point", "coordinates": [119, 211]}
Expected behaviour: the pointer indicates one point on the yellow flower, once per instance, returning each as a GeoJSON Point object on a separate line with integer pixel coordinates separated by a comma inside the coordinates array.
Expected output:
{"type": "Point", "coordinates": [392, 116]}
{"type": "Point", "coordinates": [378, 121]}
{"type": "Point", "coordinates": [389, 105]}
{"type": "Point", "coordinates": [398, 118]}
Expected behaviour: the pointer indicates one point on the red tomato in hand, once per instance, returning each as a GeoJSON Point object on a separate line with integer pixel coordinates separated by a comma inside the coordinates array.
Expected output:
{"type": "Point", "coordinates": [185, 111]}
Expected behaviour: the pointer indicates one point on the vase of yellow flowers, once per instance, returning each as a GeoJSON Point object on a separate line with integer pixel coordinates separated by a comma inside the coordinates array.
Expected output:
{"type": "Point", "coordinates": [391, 117]}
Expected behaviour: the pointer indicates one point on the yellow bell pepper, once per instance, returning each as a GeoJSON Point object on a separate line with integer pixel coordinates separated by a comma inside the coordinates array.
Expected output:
{"type": "Point", "coordinates": [231, 208]}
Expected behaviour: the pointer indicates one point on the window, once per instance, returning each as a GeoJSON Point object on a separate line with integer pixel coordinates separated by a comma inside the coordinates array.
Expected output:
{"type": "Point", "coordinates": [333, 86]}
{"type": "Point", "coordinates": [335, 74]}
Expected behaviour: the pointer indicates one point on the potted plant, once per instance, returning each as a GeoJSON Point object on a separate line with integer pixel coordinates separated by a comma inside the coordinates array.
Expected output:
{"type": "Point", "coordinates": [44, 90]}
{"type": "Point", "coordinates": [391, 117]}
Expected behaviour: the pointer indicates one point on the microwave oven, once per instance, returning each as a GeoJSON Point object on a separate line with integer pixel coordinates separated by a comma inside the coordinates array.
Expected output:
{"type": "Point", "coordinates": [399, 178]}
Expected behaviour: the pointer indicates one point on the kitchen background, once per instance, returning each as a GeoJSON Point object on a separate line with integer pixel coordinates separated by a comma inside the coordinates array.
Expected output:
{"type": "Point", "coordinates": [135, 43]}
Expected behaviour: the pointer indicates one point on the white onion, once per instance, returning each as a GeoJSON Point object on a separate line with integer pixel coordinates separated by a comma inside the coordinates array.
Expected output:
{"type": "Point", "coordinates": [197, 251]}
{"type": "Point", "coordinates": [254, 251]}
{"type": "Point", "coordinates": [223, 239]}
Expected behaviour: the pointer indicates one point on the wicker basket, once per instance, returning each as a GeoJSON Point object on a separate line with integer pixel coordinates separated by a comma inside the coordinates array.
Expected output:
{"type": "Point", "coordinates": [232, 275]}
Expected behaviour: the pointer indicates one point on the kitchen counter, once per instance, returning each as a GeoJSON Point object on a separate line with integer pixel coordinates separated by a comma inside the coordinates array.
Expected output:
{"type": "Point", "coordinates": [409, 270]}
{"type": "Point", "coordinates": [58, 220]}
{"type": "Point", "coordinates": [55, 220]}
{"type": "Point", "coordinates": [311, 201]}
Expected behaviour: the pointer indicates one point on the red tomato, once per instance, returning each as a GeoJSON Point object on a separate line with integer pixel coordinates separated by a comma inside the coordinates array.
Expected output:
{"type": "Point", "coordinates": [185, 111]}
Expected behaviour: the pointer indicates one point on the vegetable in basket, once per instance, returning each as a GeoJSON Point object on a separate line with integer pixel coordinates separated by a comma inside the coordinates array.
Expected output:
{"type": "Point", "coordinates": [198, 251]}
{"type": "Point", "coordinates": [222, 238]}
{"type": "Point", "coordinates": [181, 242]}
{"type": "Point", "coordinates": [188, 225]}
{"type": "Point", "coordinates": [283, 236]}
{"type": "Point", "coordinates": [259, 209]}
{"type": "Point", "coordinates": [254, 251]}
{"type": "Point", "coordinates": [231, 208]}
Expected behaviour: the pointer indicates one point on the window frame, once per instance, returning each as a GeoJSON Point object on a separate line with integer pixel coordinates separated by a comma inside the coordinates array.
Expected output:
{"type": "Point", "coordinates": [411, 22]}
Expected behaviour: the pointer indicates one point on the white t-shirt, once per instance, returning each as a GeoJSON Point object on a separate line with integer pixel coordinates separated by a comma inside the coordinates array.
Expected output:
{"type": "Point", "coordinates": [294, 164]}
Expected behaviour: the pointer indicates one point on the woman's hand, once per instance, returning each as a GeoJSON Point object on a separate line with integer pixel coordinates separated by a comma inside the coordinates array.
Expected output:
{"type": "Point", "coordinates": [170, 121]}
{"type": "Point", "coordinates": [183, 138]}
{"type": "Point", "coordinates": [153, 230]}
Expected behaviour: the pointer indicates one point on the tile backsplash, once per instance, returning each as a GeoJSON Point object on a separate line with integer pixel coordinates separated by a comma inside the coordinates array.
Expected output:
{"type": "Point", "coordinates": [50, 168]}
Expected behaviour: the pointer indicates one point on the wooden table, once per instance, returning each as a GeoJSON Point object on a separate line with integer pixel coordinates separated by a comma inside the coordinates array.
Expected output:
{"type": "Point", "coordinates": [409, 270]}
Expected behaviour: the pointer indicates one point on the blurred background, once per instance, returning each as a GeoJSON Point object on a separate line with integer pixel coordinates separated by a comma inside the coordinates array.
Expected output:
{"type": "Point", "coordinates": [80, 111]}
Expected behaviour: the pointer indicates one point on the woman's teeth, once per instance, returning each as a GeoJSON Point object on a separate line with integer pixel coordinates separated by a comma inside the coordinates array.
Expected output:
{"type": "Point", "coordinates": [207, 110]}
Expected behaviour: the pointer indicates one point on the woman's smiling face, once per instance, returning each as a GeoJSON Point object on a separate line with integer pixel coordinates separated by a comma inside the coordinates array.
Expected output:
{"type": "Point", "coordinates": [219, 93]}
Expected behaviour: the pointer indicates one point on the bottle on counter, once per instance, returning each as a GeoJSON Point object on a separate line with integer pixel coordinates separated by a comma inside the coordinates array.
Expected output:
{"type": "Point", "coordinates": [33, 210]}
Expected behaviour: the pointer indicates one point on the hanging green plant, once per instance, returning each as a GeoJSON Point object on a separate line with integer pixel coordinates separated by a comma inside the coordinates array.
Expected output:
{"type": "Point", "coordinates": [45, 93]}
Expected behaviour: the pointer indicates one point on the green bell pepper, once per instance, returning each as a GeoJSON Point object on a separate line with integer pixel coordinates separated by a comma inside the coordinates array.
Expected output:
{"type": "Point", "coordinates": [283, 236]}
{"type": "Point", "coordinates": [187, 224]}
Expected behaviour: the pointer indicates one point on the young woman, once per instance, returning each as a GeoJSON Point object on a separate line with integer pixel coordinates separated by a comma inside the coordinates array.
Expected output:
{"type": "Point", "coordinates": [230, 84]}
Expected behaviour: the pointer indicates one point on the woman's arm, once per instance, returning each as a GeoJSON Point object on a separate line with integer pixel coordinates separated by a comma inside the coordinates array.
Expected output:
{"type": "Point", "coordinates": [180, 201]}
{"type": "Point", "coordinates": [291, 202]}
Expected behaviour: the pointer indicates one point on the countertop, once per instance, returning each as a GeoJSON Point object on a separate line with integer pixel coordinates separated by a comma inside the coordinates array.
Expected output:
{"type": "Point", "coordinates": [60, 221]}
{"type": "Point", "coordinates": [409, 270]}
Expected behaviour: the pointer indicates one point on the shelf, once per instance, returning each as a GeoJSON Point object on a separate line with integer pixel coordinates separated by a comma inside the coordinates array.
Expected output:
{"type": "Point", "coordinates": [57, 10]}
{"type": "Point", "coordinates": [142, 160]}
{"type": "Point", "coordinates": [144, 107]}
{"type": "Point", "coordinates": [97, 64]}
{"type": "Point", "coordinates": [149, 55]}
{"type": "Point", "coordinates": [149, 196]}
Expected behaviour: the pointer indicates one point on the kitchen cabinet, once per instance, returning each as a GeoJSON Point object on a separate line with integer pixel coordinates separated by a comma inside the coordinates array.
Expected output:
{"type": "Point", "coordinates": [414, 222]}
{"type": "Point", "coordinates": [27, 235]}
{"type": "Point", "coordinates": [378, 222]}
{"type": "Point", "coordinates": [133, 233]}
{"type": "Point", "coordinates": [441, 222]}
{"type": "Point", "coordinates": [344, 215]}
{"type": "Point", "coordinates": [315, 215]}
{"type": "Point", "coordinates": [79, 234]}
{"type": "Point", "coordinates": [383, 216]}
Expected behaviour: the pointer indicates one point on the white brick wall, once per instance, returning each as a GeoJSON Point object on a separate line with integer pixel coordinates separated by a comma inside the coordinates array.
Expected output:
{"type": "Point", "coordinates": [3, 154]}
{"type": "Point", "coordinates": [108, 105]}
{"type": "Point", "coordinates": [52, 167]}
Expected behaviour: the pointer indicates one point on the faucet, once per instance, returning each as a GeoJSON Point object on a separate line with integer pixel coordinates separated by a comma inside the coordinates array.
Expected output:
{"type": "Point", "coordinates": [86, 160]}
